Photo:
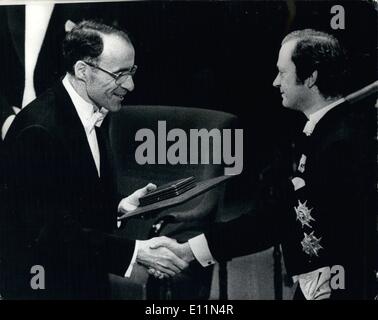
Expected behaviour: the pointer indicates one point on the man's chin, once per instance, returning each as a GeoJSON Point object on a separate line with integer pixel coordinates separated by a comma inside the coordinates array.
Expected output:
{"type": "Point", "coordinates": [284, 103]}
{"type": "Point", "coordinates": [115, 107]}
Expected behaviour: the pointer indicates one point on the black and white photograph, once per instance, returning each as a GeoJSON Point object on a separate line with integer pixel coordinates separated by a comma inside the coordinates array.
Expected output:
{"type": "Point", "coordinates": [203, 151]}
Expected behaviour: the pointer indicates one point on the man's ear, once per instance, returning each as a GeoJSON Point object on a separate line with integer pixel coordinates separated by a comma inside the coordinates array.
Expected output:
{"type": "Point", "coordinates": [80, 69]}
{"type": "Point", "coordinates": [311, 80]}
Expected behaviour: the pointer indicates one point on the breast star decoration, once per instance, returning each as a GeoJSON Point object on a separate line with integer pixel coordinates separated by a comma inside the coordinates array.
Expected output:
{"type": "Point", "coordinates": [304, 214]}
{"type": "Point", "coordinates": [311, 244]}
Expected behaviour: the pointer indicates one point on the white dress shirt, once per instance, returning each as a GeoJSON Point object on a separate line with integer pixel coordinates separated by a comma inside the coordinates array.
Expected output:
{"type": "Point", "coordinates": [85, 110]}
{"type": "Point", "coordinates": [315, 284]}
{"type": "Point", "coordinates": [315, 117]}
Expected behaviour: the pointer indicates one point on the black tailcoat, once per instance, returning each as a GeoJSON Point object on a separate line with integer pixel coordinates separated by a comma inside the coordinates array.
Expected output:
{"type": "Point", "coordinates": [336, 206]}
{"type": "Point", "coordinates": [59, 214]}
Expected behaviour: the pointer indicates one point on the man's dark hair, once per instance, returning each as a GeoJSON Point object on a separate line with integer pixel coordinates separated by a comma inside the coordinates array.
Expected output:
{"type": "Point", "coordinates": [317, 50]}
{"type": "Point", "coordinates": [85, 42]}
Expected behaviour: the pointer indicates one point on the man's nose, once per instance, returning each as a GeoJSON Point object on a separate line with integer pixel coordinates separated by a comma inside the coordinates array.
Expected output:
{"type": "Point", "coordinates": [128, 84]}
{"type": "Point", "coordinates": [276, 82]}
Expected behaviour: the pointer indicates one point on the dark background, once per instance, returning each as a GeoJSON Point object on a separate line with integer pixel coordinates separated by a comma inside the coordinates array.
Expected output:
{"type": "Point", "coordinates": [209, 54]}
{"type": "Point", "coordinates": [222, 55]}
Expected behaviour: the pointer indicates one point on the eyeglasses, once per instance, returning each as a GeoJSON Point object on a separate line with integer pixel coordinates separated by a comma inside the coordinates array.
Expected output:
{"type": "Point", "coordinates": [120, 77]}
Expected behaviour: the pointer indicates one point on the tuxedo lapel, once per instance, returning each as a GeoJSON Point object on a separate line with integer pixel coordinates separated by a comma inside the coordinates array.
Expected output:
{"type": "Point", "coordinates": [107, 187]}
{"type": "Point", "coordinates": [73, 134]}
{"type": "Point", "coordinates": [106, 168]}
{"type": "Point", "coordinates": [102, 150]}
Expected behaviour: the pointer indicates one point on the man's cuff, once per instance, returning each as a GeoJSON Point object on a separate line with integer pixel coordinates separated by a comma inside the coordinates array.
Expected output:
{"type": "Point", "coordinates": [201, 251]}
{"type": "Point", "coordinates": [133, 259]}
{"type": "Point", "coordinates": [6, 126]}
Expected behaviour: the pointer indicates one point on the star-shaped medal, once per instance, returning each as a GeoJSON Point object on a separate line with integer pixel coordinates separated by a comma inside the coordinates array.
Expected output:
{"type": "Point", "coordinates": [311, 244]}
{"type": "Point", "coordinates": [304, 214]}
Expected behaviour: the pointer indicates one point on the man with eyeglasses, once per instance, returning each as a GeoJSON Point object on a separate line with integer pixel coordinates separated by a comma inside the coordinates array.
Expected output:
{"type": "Point", "coordinates": [61, 206]}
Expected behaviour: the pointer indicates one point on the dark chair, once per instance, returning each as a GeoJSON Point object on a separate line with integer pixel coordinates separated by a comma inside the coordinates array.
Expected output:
{"type": "Point", "coordinates": [181, 222]}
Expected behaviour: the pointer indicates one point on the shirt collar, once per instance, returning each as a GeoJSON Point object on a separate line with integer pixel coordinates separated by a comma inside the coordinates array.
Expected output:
{"type": "Point", "coordinates": [84, 109]}
{"type": "Point", "coordinates": [315, 117]}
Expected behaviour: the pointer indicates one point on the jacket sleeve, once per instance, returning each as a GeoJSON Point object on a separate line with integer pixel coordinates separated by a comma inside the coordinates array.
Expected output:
{"type": "Point", "coordinates": [42, 217]}
{"type": "Point", "coordinates": [253, 232]}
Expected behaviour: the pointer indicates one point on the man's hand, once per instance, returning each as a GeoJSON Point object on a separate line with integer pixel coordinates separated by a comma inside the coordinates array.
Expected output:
{"type": "Point", "coordinates": [181, 250]}
{"type": "Point", "coordinates": [154, 254]}
{"type": "Point", "coordinates": [131, 202]}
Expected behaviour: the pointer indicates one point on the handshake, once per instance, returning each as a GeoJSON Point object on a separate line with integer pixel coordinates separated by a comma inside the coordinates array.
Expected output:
{"type": "Point", "coordinates": [162, 256]}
